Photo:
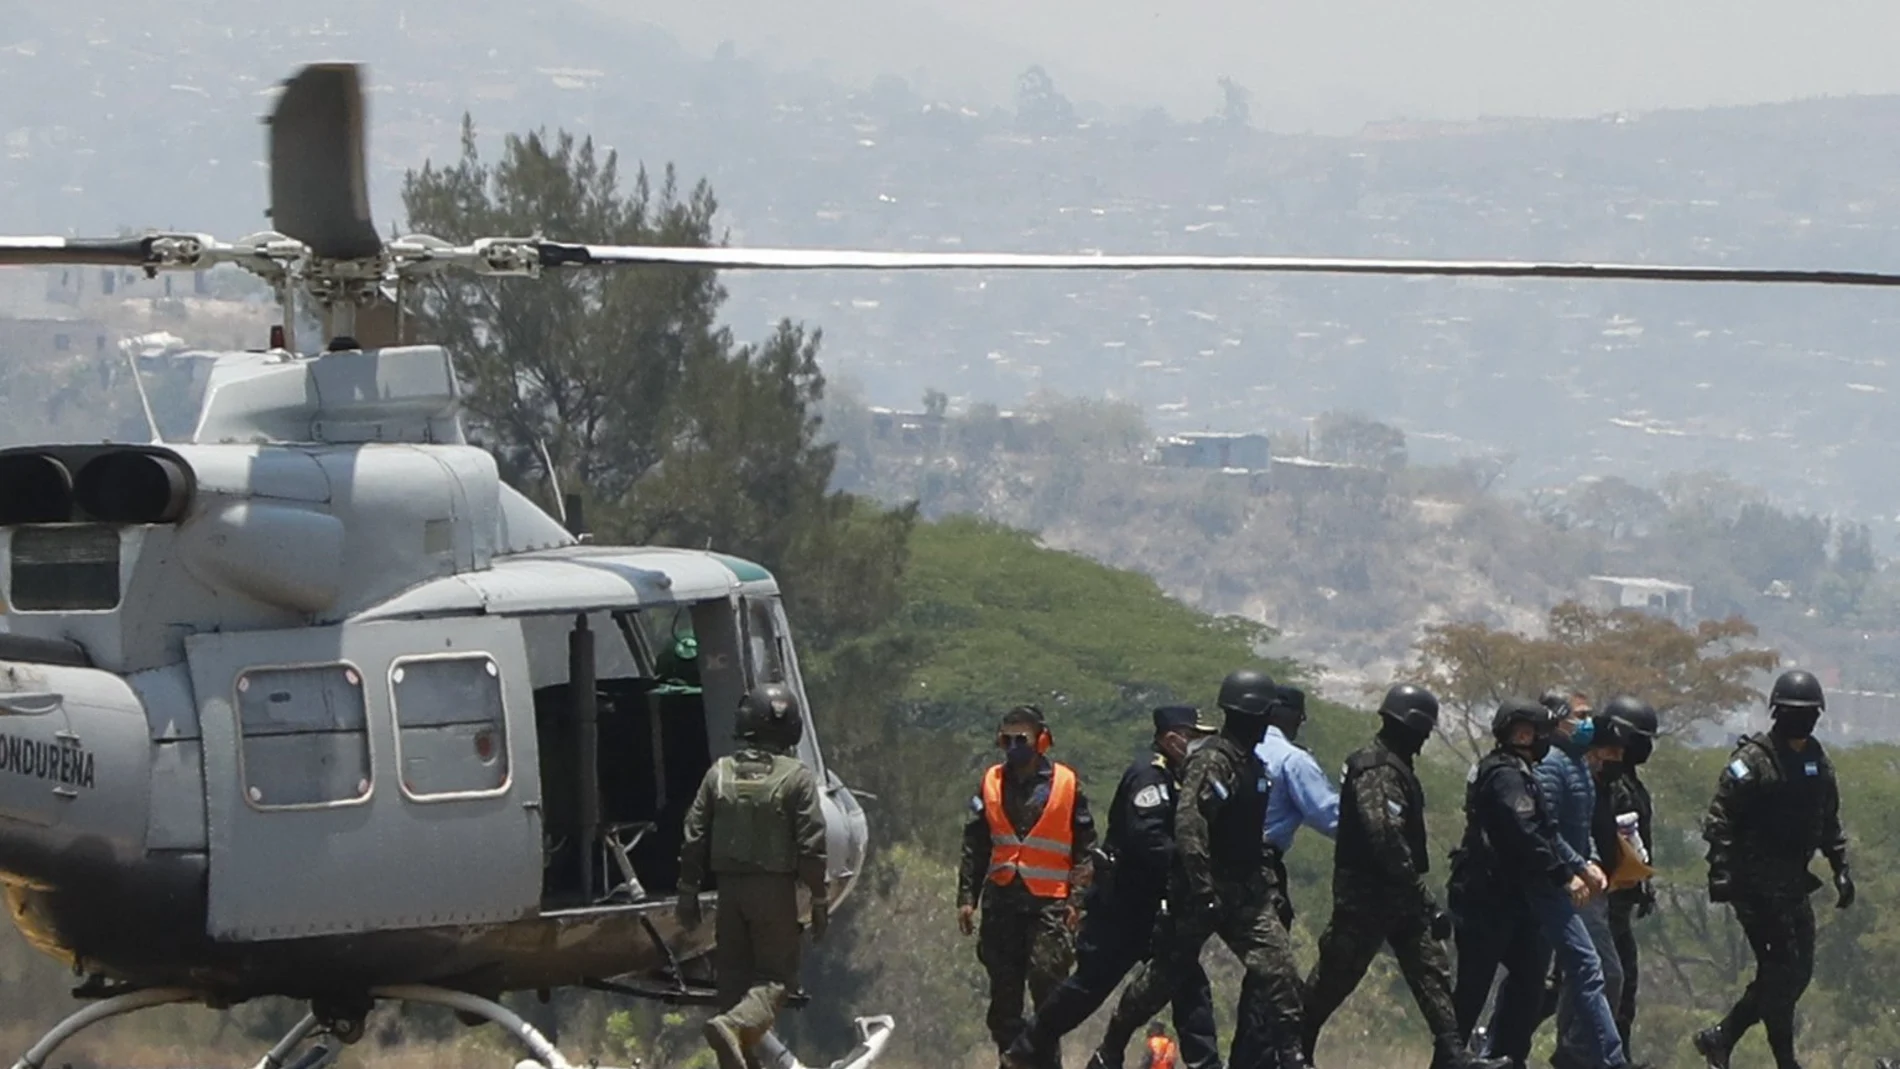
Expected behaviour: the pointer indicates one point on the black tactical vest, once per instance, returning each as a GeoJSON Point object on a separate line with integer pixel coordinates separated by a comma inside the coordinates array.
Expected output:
{"type": "Point", "coordinates": [1237, 836]}
{"type": "Point", "coordinates": [1476, 845]}
{"type": "Point", "coordinates": [1354, 849]}
{"type": "Point", "coordinates": [1788, 807]}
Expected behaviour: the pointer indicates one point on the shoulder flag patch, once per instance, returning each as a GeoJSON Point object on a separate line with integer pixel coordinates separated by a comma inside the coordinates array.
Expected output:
{"type": "Point", "coordinates": [1738, 768]}
{"type": "Point", "coordinates": [976, 803]}
{"type": "Point", "coordinates": [1814, 768]}
{"type": "Point", "coordinates": [1151, 796]}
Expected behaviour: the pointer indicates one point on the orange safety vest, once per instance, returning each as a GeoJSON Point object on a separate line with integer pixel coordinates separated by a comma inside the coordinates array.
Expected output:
{"type": "Point", "coordinates": [1043, 857]}
{"type": "Point", "coordinates": [1160, 1052]}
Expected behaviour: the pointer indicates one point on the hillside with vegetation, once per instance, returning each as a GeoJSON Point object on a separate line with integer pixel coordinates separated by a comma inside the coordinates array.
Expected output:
{"type": "Point", "coordinates": [1351, 567]}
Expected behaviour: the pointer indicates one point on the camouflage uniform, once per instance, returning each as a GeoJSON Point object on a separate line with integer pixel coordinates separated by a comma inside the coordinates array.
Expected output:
{"type": "Point", "coordinates": [1223, 885]}
{"type": "Point", "coordinates": [1379, 897]}
{"type": "Point", "coordinates": [1774, 807]}
{"type": "Point", "coordinates": [758, 826]}
{"type": "Point", "coordinates": [1022, 940]}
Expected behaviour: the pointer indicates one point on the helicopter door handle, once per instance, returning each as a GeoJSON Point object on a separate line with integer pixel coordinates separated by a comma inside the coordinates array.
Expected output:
{"type": "Point", "coordinates": [66, 792]}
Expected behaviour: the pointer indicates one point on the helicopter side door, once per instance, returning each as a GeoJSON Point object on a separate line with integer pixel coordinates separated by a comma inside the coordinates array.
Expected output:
{"type": "Point", "coordinates": [368, 777]}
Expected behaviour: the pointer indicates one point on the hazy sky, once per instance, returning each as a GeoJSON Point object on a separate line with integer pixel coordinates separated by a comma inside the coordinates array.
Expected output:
{"type": "Point", "coordinates": [1330, 65]}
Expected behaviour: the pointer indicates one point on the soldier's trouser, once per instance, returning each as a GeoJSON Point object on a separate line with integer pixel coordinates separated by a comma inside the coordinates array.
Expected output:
{"type": "Point", "coordinates": [1246, 919]}
{"type": "Point", "coordinates": [1367, 915]}
{"type": "Point", "coordinates": [1018, 948]}
{"type": "Point", "coordinates": [1492, 931]}
{"type": "Point", "coordinates": [1115, 937]}
{"type": "Point", "coordinates": [1576, 1043]}
{"type": "Point", "coordinates": [1781, 933]}
{"type": "Point", "coordinates": [1623, 930]}
{"type": "Point", "coordinates": [757, 956]}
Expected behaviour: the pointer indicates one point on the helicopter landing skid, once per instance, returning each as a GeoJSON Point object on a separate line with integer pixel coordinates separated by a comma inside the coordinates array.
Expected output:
{"type": "Point", "coordinates": [873, 1032]}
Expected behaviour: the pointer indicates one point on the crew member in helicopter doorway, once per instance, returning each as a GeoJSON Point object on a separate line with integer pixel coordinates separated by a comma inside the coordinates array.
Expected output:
{"type": "Point", "coordinates": [1026, 850]}
{"type": "Point", "coordinates": [758, 826]}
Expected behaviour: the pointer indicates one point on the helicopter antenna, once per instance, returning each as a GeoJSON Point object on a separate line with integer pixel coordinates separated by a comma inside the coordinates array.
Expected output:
{"type": "Point", "coordinates": [145, 401]}
{"type": "Point", "coordinates": [554, 479]}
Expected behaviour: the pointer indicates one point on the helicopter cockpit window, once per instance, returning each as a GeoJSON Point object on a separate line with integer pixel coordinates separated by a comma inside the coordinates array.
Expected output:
{"type": "Point", "coordinates": [68, 568]}
{"type": "Point", "coordinates": [765, 647]}
{"type": "Point", "coordinates": [305, 736]}
{"type": "Point", "coordinates": [451, 734]}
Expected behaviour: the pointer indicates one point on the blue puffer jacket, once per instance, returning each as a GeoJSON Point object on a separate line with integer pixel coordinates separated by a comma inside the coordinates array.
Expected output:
{"type": "Point", "coordinates": [1571, 796]}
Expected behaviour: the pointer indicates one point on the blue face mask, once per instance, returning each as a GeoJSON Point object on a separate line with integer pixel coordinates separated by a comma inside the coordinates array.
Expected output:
{"type": "Point", "coordinates": [1585, 732]}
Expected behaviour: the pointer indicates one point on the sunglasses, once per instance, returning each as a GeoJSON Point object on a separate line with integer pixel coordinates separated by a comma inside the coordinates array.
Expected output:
{"type": "Point", "coordinates": [1009, 738]}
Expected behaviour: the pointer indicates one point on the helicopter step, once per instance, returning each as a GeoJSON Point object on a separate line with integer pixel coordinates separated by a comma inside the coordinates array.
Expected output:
{"type": "Point", "coordinates": [344, 1024]}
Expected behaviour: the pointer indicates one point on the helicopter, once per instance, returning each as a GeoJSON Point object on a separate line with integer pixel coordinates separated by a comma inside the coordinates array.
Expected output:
{"type": "Point", "coordinates": [312, 704]}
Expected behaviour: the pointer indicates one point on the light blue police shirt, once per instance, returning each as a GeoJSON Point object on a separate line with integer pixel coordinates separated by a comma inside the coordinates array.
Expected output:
{"type": "Point", "coordinates": [1301, 793]}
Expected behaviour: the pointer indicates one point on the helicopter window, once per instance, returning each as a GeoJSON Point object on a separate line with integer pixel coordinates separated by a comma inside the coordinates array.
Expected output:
{"type": "Point", "coordinates": [451, 734]}
{"type": "Point", "coordinates": [305, 736]}
{"type": "Point", "coordinates": [65, 568]}
{"type": "Point", "coordinates": [765, 647]}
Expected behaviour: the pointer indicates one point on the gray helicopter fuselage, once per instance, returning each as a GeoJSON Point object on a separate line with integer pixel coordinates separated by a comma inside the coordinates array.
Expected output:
{"type": "Point", "coordinates": [316, 702]}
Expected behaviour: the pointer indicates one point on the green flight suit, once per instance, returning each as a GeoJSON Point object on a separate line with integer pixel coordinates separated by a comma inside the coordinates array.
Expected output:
{"type": "Point", "coordinates": [758, 826]}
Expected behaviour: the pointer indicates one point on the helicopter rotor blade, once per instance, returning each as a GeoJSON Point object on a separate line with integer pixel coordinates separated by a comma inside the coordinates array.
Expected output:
{"type": "Point", "coordinates": [127, 252]}
{"type": "Point", "coordinates": [560, 254]}
{"type": "Point", "coordinates": [318, 189]}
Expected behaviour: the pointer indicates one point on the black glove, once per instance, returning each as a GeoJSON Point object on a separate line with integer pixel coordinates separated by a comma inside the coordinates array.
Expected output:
{"type": "Point", "coordinates": [686, 909]}
{"type": "Point", "coordinates": [820, 919]}
{"type": "Point", "coordinates": [1441, 926]}
{"type": "Point", "coordinates": [1844, 888]}
{"type": "Point", "coordinates": [1719, 889]}
{"type": "Point", "coordinates": [1646, 904]}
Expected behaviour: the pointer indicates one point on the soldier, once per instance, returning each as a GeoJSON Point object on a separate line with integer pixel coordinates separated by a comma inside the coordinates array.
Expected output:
{"type": "Point", "coordinates": [1222, 884]}
{"type": "Point", "coordinates": [1379, 894]}
{"type": "Point", "coordinates": [758, 826]}
{"type": "Point", "coordinates": [1300, 796]}
{"type": "Point", "coordinates": [1124, 901]}
{"type": "Point", "coordinates": [1025, 854]}
{"type": "Point", "coordinates": [1513, 898]}
{"type": "Point", "coordinates": [1625, 798]}
{"type": "Point", "coordinates": [1776, 803]}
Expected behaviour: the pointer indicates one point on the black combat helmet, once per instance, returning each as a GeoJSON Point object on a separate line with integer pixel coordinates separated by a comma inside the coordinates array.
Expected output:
{"type": "Point", "coordinates": [1513, 711]}
{"type": "Point", "coordinates": [1412, 706]}
{"type": "Point", "coordinates": [769, 714]}
{"type": "Point", "coordinates": [1248, 692]}
{"type": "Point", "coordinates": [1797, 690]}
{"type": "Point", "coordinates": [1557, 700]}
{"type": "Point", "coordinates": [1631, 723]}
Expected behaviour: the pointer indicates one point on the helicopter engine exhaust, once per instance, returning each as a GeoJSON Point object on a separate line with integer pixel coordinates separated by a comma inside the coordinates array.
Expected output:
{"type": "Point", "coordinates": [133, 487]}
{"type": "Point", "coordinates": [34, 488]}
{"type": "Point", "coordinates": [113, 485]}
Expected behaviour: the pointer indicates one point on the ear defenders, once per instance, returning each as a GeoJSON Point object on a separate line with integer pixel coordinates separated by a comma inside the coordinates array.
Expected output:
{"type": "Point", "coordinates": [1044, 737]}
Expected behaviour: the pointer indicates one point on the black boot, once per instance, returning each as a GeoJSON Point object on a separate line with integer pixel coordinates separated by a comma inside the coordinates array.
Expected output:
{"type": "Point", "coordinates": [1714, 1046]}
{"type": "Point", "coordinates": [1292, 1057]}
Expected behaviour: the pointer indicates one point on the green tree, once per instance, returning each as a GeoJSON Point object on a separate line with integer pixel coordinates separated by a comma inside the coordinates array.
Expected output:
{"type": "Point", "coordinates": [620, 386]}
{"type": "Point", "coordinates": [1354, 438]}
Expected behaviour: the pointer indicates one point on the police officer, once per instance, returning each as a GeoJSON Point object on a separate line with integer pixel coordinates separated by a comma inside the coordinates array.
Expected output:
{"type": "Point", "coordinates": [1513, 897]}
{"type": "Point", "coordinates": [1124, 901]}
{"type": "Point", "coordinates": [1025, 855]}
{"type": "Point", "coordinates": [1775, 805]}
{"type": "Point", "coordinates": [1623, 796]}
{"type": "Point", "coordinates": [758, 826]}
{"type": "Point", "coordinates": [1222, 884]}
{"type": "Point", "coordinates": [1379, 893]}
